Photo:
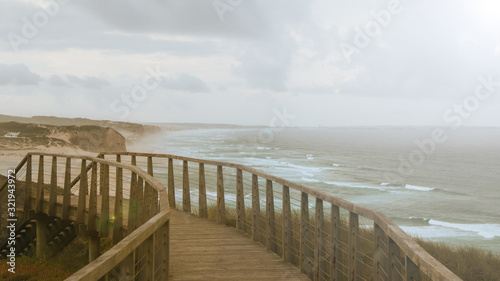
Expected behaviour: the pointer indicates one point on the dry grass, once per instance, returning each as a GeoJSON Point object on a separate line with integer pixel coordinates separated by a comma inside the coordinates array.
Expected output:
{"type": "Point", "coordinates": [58, 267]}
{"type": "Point", "coordinates": [468, 263]}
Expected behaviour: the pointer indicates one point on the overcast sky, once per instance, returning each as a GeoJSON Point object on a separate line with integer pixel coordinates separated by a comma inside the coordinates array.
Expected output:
{"type": "Point", "coordinates": [321, 63]}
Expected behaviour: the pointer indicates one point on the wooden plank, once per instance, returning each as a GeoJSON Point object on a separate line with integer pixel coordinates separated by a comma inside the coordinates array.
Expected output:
{"type": "Point", "coordinates": [244, 260]}
{"type": "Point", "coordinates": [171, 184]}
{"type": "Point", "coordinates": [202, 204]}
{"type": "Point", "coordinates": [394, 261]}
{"type": "Point", "coordinates": [380, 262]}
{"type": "Point", "coordinates": [53, 188]}
{"type": "Point", "coordinates": [67, 190]}
{"type": "Point", "coordinates": [221, 205]}
{"type": "Point", "coordinates": [319, 242]}
{"type": "Point", "coordinates": [92, 218]}
{"type": "Point", "coordinates": [240, 202]}
{"type": "Point", "coordinates": [270, 218]}
{"type": "Point", "coordinates": [304, 232]}
{"type": "Point", "coordinates": [335, 238]}
{"type": "Point", "coordinates": [82, 194]}
{"type": "Point", "coordinates": [255, 209]}
{"type": "Point", "coordinates": [39, 197]}
{"type": "Point", "coordinates": [287, 227]}
{"type": "Point", "coordinates": [118, 217]}
{"type": "Point", "coordinates": [104, 215]}
{"type": "Point", "coordinates": [412, 272]}
{"type": "Point", "coordinates": [354, 265]}
{"type": "Point", "coordinates": [186, 193]}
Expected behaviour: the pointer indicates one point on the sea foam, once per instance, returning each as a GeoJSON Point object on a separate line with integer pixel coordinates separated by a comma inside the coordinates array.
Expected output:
{"type": "Point", "coordinates": [418, 188]}
{"type": "Point", "coordinates": [486, 230]}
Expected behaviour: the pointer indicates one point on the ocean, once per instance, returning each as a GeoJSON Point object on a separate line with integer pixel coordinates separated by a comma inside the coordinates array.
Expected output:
{"type": "Point", "coordinates": [438, 184]}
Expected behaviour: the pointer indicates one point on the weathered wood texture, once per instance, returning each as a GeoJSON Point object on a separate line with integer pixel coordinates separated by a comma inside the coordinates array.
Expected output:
{"type": "Point", "coordinates": [203, 250]}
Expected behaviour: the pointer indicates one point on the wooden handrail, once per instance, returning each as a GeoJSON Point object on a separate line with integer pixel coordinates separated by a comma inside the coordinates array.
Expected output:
{"type": "Point", "coordinates": [417, 255]}
{"type": "Point", "coordinates": [17, 169]}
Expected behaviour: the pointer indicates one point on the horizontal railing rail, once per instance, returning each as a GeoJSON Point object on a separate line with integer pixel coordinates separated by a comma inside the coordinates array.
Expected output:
{"type": "Point", "coordinates": [343, 242]}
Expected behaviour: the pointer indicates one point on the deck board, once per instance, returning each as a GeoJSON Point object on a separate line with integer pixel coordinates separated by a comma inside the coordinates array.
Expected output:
{"type": "Point", "coordinates": [203, 250]}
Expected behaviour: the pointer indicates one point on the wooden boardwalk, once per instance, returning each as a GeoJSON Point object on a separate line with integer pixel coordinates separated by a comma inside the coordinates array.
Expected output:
{"type": "Point", "coordinates": [203, 250]}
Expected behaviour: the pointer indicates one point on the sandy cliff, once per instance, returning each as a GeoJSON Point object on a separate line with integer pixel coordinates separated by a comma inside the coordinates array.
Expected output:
{"type": "Point", "coordinates": [15, 136]}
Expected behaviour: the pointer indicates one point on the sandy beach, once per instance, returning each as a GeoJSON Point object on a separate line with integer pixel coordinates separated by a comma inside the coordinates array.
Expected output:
{"type": "Point", "coordinates": [11, 158]}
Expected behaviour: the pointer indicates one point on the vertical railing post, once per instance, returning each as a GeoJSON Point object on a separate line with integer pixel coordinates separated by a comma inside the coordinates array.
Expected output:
{"type": "Point", "coordinates": [94, 240]}
{"type": "Point", "coordinates": [354, 256]}
{"type": "Point", "coordinates": [155, 207]}
{"type": "Point", "coordinates": [270, 218]}
{"type": "Point", "coordinates": [39, 197]}
{"type": "Point", "coordinates": [412, 272]}
{"type": "Point", "coordinates": [53, 188]}
{"type": "Point", "coordinates": [146, 202]}
{"type": "Point", "coordinates": [336, 253]}
{"type": "Point", "coordinates": [92, 219]}
{"type": "Point", "coordinates": [161, 250]}
{"type": "Point", "coordinates": [379, 257]}
{"type": "Point", "coordinates": [150, 165]}
{"type": "Point", "coordinates": [186, 193]}
{"type": "Point", "coordinates": [118, 221]}
{"type": "Point", "coordinates": [394, 260]}
{"type": "Point", "coordinates": [221, 205]}
{"type": "Point", "coordinates": [82, 194]}
{"type": "Point", "coordinates": [133, 208]}
{"type": "Point", "coordinates": [171, 184]}
{"type": "Point", "coordinates": [202, 204]}
{"type": "Point", "coordinates": [41, 236]}
{"type": "Point", "coordinates": [304, 231]}
{"type": "Point", "coordinates": [318, 247]}
{"type": "Point", "coordinates": [145, 255]}
{"type": "Point", "coordinates": [255, 208]}
{"type": "Point", "coordinates": [140, 201]}
{"type": "Point", "coordinates": [240, 202]}
{"type": "Point", "coordinates": [28, 194]}
{"type": "Point", "coordinates": [67, 190]}
{"type": "Point", "coordinates": [287, 226]}
{"type": "Point", "coordinates": [104, 218]}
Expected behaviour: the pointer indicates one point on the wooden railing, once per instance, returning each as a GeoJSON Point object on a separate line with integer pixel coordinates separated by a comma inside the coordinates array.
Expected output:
{"type": "Point", "coordinates": [326, 237]}
{"type": "Point", "coordinates": [111, 199]}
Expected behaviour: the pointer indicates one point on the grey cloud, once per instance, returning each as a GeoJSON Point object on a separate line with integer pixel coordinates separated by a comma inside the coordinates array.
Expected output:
{"type": "Point", "coordinates": [56, 80]}
{"type": "Point", "coordinates": [18, 74]}
{"type": "Point", "coordinates": [185, 82]}
{"type": "Point", "coordinates": [89, 82]}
